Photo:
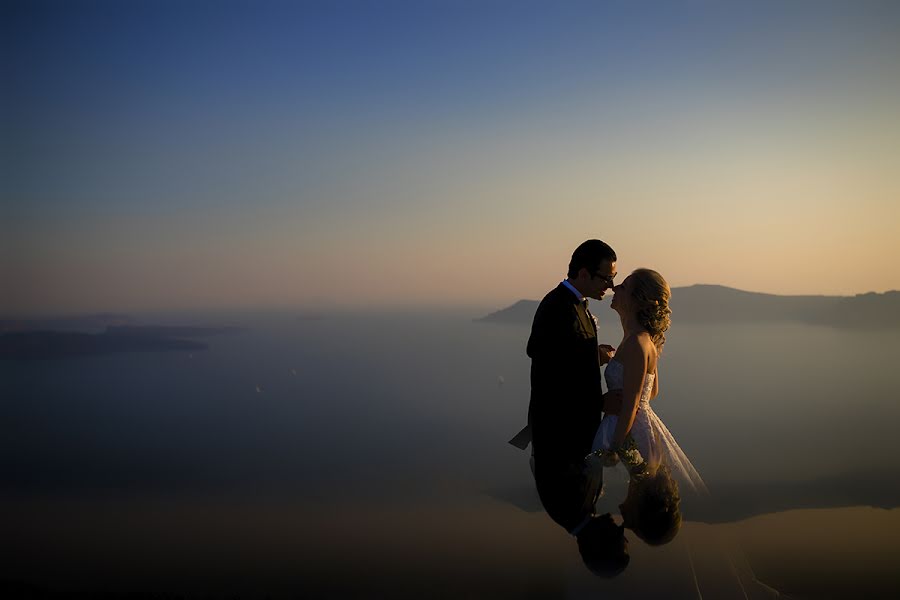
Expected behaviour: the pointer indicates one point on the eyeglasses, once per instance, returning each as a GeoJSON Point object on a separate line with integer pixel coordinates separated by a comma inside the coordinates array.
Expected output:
{"type": "Point", "coordinates": [606, 278]}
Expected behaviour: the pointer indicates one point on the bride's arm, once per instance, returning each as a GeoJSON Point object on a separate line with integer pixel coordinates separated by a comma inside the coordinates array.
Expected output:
{"type": "Point", "coordinates": [634, 363]}
{"type": "Point", "coordinates": [655, 382]}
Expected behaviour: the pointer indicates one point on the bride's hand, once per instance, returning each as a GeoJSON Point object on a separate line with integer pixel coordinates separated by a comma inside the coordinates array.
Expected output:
{"type": "Point", "coordinates": [600, 459]}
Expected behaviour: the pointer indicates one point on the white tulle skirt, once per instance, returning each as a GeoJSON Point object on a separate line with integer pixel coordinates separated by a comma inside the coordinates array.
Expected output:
{"type": "Point", "coordinates": [656, 444]}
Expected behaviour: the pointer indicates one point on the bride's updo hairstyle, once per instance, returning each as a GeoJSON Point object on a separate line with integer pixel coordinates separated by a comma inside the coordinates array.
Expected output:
{"type": "Point", "coordinates": [658, 509]}
{"type": "Point", "coordinates": [650, 294]}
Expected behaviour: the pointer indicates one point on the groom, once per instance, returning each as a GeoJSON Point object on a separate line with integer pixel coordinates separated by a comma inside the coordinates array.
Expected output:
{"type": "Point", "coordinates": [566, 397]}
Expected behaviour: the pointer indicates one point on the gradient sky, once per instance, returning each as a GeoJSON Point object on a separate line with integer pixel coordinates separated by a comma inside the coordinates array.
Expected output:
{"type": "Point", "coordinates": [177, 154]}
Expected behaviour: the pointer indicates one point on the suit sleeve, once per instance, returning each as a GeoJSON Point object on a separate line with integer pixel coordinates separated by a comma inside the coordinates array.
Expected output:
{"type": "Point", "coordinates": [550, 333]}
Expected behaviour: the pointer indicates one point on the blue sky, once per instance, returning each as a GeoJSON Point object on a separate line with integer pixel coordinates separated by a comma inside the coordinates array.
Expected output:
{"type": "Point", "coordinates": [174, 154]}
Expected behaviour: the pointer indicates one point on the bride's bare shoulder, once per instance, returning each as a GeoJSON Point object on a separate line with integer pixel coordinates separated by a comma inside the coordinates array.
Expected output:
{"type": "Point", "coordinates": [635, 349]}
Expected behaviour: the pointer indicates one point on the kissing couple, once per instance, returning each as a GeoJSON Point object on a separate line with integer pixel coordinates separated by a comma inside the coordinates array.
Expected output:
{"type": "Point", "coordinates": [576, 430]}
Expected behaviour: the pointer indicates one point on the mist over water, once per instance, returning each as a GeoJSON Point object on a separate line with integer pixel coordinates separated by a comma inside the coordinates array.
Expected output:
{"type": "Point", "coordinates": [291, 421]}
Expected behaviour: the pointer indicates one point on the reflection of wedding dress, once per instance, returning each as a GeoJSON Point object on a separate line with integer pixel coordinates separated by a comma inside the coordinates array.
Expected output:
{"type": "Point", "coordinates": [654, 441]}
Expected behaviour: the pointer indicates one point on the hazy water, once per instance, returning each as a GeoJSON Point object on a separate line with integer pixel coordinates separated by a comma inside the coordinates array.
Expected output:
{"type": "Point", "coordinates": [400, 417]}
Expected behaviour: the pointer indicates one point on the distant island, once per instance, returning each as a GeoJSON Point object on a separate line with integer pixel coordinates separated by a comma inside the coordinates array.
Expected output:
{"type": "Point", "coordinates": [169, 330]}
{"type": "Point", "coordinates": [96, 323]}
{"type": "Point", "coordinates": [720, 304]}
{"type": "Point", "coordinates": [38, 345]}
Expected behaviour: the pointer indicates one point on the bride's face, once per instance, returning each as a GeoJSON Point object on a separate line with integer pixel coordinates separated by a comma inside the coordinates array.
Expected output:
{"type": "Point", "coordinates": [622, 296]}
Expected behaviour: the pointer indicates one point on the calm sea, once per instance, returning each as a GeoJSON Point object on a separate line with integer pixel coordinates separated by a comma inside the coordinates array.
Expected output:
{"type": "Point", "coordinates": [366, 455]}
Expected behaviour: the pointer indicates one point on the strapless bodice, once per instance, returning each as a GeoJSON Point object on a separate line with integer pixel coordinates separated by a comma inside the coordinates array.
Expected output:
{"type": "Point", "coordinates": [615, 379]}
{"type": "Point", "coordinates": [614, 375]}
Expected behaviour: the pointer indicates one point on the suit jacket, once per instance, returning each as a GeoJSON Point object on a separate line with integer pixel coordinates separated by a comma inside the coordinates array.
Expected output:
{"type": "Point", "coordinates": [566, 395]}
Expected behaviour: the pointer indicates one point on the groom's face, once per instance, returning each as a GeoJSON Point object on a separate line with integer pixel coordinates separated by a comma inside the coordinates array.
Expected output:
{"type": "Point", "coordinates": [601, 280]}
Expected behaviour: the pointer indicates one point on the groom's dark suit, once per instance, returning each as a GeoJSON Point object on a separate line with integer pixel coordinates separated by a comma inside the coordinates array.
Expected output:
{"type": "Point", "coordinates": [566, 404]}
{"type": "Point", "coordinates": [566, 401]}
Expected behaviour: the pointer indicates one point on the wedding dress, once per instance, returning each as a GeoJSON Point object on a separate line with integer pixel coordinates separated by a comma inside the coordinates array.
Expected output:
{"type": "Point", "coordinates": [653, 439]}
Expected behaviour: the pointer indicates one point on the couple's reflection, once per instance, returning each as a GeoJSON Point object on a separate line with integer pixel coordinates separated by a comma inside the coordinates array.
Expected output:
{"type": "Point", "coordinates": [650, 510]}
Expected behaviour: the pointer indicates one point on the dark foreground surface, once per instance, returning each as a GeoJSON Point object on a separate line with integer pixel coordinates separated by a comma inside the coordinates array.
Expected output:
{"type": "Point", "coordinates": [439, 548]}
{"type": "Point", "coordinates": [366, 455]}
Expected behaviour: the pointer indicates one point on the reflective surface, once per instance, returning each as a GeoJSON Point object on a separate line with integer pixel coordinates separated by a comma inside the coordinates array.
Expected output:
{"type": "Point", "coordinates": [366, 455]}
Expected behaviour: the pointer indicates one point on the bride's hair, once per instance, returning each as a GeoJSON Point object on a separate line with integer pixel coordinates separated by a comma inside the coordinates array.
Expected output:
{"type": "Point", "coordinates": [659, 509]}
{"type": "Point", "coordinates": [651, 294]}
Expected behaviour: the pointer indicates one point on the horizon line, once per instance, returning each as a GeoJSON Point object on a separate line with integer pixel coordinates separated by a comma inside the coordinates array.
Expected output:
{"type": "Point", "coordinates": [347, 308]}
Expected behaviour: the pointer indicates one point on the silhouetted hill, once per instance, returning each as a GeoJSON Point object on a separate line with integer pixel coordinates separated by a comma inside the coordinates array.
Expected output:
{"type": "Point", "coordinates": [520, 312]}
{"type": "Point", "coordinates": [86, 335]}
{"type": "Point", "coordinates": [719, 304]}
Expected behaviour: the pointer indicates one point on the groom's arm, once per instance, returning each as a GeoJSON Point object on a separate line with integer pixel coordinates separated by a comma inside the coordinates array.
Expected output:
{"type": "Point", "coordinates": [606, 353]}
{"type": "Point", "coordinates": [612, 402]}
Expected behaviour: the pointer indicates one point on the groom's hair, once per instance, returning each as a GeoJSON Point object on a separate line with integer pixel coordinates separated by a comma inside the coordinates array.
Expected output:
{"type": "Point", "coordinates": [589, 255]}
{"type": "Point", "coordinates": [603, 547]}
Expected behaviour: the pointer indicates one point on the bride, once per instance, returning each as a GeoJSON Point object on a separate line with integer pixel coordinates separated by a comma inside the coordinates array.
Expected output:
{"type": "Point", "coordinates": [630, 431]}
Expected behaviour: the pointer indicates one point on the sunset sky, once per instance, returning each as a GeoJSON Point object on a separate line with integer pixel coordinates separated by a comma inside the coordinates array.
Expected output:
{"type": "Point", "coordinates": [167, 155]}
